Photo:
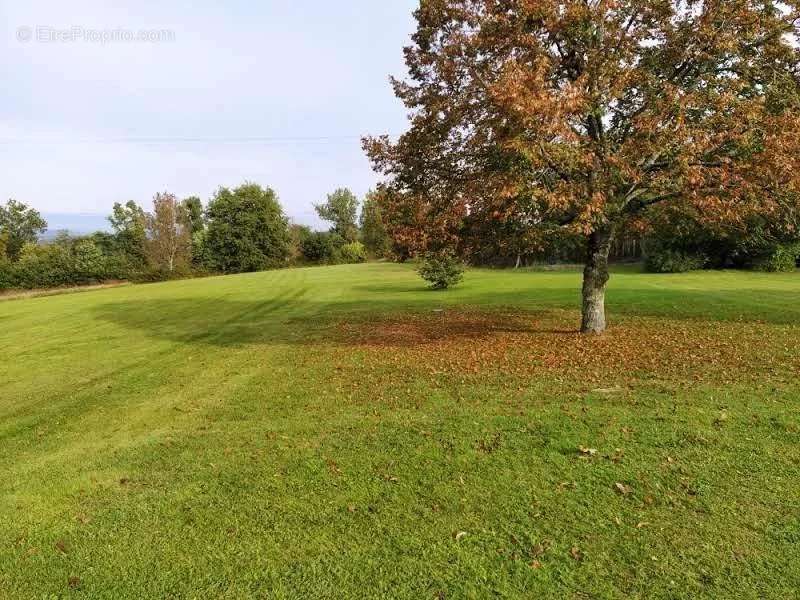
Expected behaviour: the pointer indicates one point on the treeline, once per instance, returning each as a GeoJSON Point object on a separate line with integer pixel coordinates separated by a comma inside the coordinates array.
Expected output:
{"type": "Point", "coordinates": [667, 241]}
{"type": "Point", "coordinates": [239, 230]}
{"type": "Point", "coordinates": [661, 251]}
{"type": "Point", "coordinates": [245, 229]}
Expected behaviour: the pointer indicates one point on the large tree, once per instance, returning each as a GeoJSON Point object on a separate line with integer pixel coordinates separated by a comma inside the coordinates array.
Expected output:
{"type": "Point", "coordinates": [341, 210]}
{"type": "Point", "coordinates": [19, 225]}
{"type": "Point", "coordinates": [247, 230]}
{"type": "Point", "coordinates": [594, 111]}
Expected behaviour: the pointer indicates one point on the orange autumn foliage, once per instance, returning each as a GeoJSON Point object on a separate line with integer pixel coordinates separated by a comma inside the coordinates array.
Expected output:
{"type": "Point", "coordinates": [588, 115]}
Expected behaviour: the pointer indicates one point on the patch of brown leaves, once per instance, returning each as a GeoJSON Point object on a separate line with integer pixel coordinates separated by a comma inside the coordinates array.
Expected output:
{"type": "Point", "coordinates": [478, 342]}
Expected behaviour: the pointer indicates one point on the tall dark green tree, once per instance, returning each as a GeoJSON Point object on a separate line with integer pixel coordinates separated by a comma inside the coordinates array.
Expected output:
{"type": "Point", "coordinates": [19, 225]}
{"type": "Point", "coordinates": [373, 230]}
{"type": "Point", "coordinates": [247, 230]}
{"type": "Point", "coordinates": [192, 208]}
{"type": "Point", "coordinates": [341, 210]}
{"type": "Point", "coordinates": [3, 247]}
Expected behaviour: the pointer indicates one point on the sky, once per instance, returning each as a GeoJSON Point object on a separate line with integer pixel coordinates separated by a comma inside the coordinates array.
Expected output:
{"type": "Point", "coordinates": [218, 93]}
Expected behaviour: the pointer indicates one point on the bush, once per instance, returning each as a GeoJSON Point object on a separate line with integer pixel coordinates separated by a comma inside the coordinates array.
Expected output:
{"type": "Point", "coordinates": [65, 262]}
{"type": "Point", "coordinates": [7, 275]}
{"type": "Point", "coordinates": [352, 253]}
{"type": "Point", "coordinates": [155, 274]}
{"type": "Point", "coordinates": [44, 266]}
{"type": "Point", "coordinates": [781, 259]}
{"type": "Point", "coordinates": [322, 247]}
{"type": "Point", "coordinates": [119, 266]}
{"type": "Point", "coordinates": [88, 263]}
{"type": "Point", "coordinates": [441, 269]}
{"type": "Point", "coordinates": [665, 260]}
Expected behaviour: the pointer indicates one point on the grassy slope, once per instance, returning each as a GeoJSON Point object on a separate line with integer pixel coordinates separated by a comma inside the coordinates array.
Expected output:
{"type": "Point", "coordinates": [220, 438]}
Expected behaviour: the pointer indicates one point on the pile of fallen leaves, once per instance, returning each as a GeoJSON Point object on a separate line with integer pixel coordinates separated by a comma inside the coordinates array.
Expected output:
{"type": "Point", "coordinates": [528, 344]}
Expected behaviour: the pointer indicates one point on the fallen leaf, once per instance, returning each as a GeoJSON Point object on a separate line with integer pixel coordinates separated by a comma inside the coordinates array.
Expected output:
{"type": "Point", "coordinates": [622, 488]}
{"type": "Point", "coordinates": [576, 553]}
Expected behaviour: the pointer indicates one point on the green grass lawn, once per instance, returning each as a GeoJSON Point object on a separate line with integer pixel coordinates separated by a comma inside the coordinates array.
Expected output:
{"type": "Point", "coordinates": [342, 432]}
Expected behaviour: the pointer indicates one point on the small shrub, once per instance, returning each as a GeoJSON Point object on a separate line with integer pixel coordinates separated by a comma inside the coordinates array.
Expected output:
{"type": "Point", "coordinates": [665, 260]}
{"type": "Point", "coordinates": [781, 259]}
{"type": "Point", "coordinates": [352, 253]}
{"type": "Point", "coordinates": [441, 269]}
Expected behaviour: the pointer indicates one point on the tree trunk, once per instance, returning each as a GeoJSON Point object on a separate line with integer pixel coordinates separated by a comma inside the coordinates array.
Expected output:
{"type": "Point", "coordinates": [595, 278]}
{"type": "Point", "coordinates": [519, 261]}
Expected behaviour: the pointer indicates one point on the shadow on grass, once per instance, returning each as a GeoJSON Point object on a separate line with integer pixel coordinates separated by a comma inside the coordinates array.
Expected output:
{"type": "Point", "coordinates": [296, 316]}
{"type": "Point", "coordinates": [390, 288]}
{"type": "Point", "coordinates": [216, 321]}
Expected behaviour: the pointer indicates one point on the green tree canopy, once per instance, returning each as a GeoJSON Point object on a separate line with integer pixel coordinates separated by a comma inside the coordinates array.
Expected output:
{"type": "Point", "coordinates": [128, 221]}
{"type": "Point", "coordinates": [19, 225]}
{"type": "Point", "coordinates": [247, 230]}
{"type": "Point", "coordinates": [341, 209]}
{"type": "Point", "coordinates": [373, 231]}
{"type": "Point", "coordinates": [193, 209]}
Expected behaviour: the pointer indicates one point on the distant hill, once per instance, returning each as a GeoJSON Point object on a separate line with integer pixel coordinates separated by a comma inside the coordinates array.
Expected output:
{"type": "Point", "coordinates": [74, 223]}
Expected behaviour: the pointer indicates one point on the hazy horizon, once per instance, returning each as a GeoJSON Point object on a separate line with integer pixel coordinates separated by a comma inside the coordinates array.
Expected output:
{"type": "Point", "coordinates": [217, 95]}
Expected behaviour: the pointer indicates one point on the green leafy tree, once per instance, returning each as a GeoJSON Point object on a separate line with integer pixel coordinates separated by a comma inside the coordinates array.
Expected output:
{"type": "Point", "coordinates": [88, 261]}
{"type": "Point", "coordinates": [247, 230]}
{"type": "Point", "coordinates": [19, 225]}
{"type": "Point", "coordinates": [129, 222]}
{"type": "Point", "coordinates": [441, 269]}
{"type": "Point", "coordinates": [193, 209]}
{"type": "Point", "coordinates": [322, 246]}
{"type": "Point", "coordinates": [341, 209]}
{"type": "Point", "coordinates": [3, 247]}
{"type": "Point", "coordinates": [194, 213]}
{"type": "Point", "coordinates": [373, 231]}
{"type": "Point", "coordinates": [298, 234]}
